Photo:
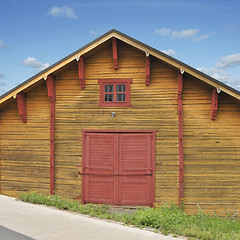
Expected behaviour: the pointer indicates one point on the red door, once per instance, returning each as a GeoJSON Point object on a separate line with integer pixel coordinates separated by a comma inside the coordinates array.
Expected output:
{"type": "Point", "coordinates": [118, 168]}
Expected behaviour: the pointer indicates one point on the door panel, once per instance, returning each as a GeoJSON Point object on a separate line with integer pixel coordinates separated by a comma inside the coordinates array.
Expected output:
{"type": "Point", "coordinates": [134, 167]}
{"type": "Point", "coordinates": [99, 168]}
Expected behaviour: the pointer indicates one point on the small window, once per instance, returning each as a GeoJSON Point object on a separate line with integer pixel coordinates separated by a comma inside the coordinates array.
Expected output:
{"type": "Point", "coordinates": [115, 92]}
{"type": "Point", "coordinates": [109, 97]}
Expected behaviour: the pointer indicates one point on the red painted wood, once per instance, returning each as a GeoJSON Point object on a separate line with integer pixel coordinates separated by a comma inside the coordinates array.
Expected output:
{"type": "Point", "coordinates": [180, 137]}
{"type": "Point", "coordinates": [116, 169]}
{"type": "Point", "coordinates": [214, 104]}
{"type": "Point", "coordinates": [81, 71]}
{"type": "Point", "coordinates": [135, 169]}
{"type": "Point", "coordinates": [99, 168]}
{"type": "Point", "coordinates": [115, 54]}
{"type": "Point", "coordinates": [85, 131]}
{"type": "Point", "coordinates": [51, 87]}
{"type": "Point", "coordinates": [153, 166]}
{"type": "Point", "coordinates": [84, 144]}
{"type": "Point", "coordinates": [119, 167]}
{"type": "Point", "coordinates": [86, 171]}
{"type": "Point", "coordinates": [147, 68]}
{"type": "Point", "coordinates": [22, 106]}
{"type": "Point", "coordinates": [51, 95]}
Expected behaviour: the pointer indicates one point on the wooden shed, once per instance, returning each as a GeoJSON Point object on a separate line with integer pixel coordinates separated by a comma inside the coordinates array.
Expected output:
{"type": "Point", "coordinates": [122, 123]}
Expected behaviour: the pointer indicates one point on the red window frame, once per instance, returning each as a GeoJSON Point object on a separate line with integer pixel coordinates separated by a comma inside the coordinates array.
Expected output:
{"type": "Point", "coordinates": [115, 82]}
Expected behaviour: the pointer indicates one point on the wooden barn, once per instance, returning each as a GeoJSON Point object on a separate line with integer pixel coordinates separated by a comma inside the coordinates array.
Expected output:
{"type": "Point", "coordinates": [122, 123]}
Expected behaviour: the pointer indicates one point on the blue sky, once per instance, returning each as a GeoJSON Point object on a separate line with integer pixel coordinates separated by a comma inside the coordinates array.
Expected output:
{"type": "Point", "coordinates": [36, 33]}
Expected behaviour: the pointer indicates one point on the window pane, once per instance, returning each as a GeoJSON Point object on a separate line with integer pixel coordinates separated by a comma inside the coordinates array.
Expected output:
{"type": "Point", "coordinates": [120, 87]}
{"type": "Point", "coordinates": [108, 88]}
{"type": "Point", "coordinates": [108, 97]}
{"type": "Point", "coordinates": [120, 97]}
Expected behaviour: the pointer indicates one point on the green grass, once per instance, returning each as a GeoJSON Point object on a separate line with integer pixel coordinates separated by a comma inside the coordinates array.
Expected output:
{"type": "Point", "coordinates": [167, 219]}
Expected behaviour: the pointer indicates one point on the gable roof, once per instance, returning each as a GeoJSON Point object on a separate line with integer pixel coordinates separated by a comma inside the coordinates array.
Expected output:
{"type": "Point", "coordinates": [131, 41]}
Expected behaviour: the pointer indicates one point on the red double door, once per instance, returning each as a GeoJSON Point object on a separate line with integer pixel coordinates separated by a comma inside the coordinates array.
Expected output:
{"type": "Point", "coordinates": [118, 168]}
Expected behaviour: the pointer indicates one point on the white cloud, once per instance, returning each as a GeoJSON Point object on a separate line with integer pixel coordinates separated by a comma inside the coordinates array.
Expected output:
{"type": "Point", "coordinates": [203, 37]}
{"type": "Point", "coordinates": [219, 70]}
{"type": "Point", "coordinates": [232, 28]}
{"type": "Point", "coordinates": [62, 12]}
{"type": "Point", "coordinates": [170, 52]}
{"type": "Point", "coordinates": [3, 45]}
{"type": "Point", "coordinates": [34, 63]}
{"type": "Point", "coordinates": [2, 75]}
{"type": "Point", "coordinates": [163, 31]}
{"type": "Point", "coordinates": [222, 76]}
{"type": "Point", "coordinates": [229, 61]}
{"type": "Point", "coordinates": [92, 32]}
{"type": "Point", "coordinates": [185, 33]}
{"type": "Point", "coordinates": [209, 71]}
{"type": "Point", "coordinates": [188, 33]}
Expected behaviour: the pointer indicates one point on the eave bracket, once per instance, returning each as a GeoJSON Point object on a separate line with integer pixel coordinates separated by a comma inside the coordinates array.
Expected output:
{"type": "Point", "coordinates": [214, 104]}
{"type": "Point", "coordinates": [147, 69]}
{"type": "Point", "coordinates": [81, 71]}
{"type": "Point", "coordinates": [115, 53]}
{"type": "Point", "coordinates": [51, 87]}
{"type": "Point", "coordinates": [22, 106]}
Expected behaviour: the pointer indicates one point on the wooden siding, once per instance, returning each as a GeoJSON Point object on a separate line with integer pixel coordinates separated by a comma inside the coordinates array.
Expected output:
{"type": "Point", "coordinates": [25, 146]}
{"type": "Point", "coordinates": [154, 107]}
{"type": "Point", "coordinates": [211, 150]}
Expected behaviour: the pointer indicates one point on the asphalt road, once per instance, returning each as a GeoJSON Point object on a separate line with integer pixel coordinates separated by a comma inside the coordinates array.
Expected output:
{"type": "Point", "coordinates": [20, 220]}
{"type": "Point", "coordinates": [7, 234]}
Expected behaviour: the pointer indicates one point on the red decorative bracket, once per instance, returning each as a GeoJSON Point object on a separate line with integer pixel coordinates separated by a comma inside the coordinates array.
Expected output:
{"type": "Point", "coordinates": [180, 83]}
{"type": "Point", "coordinates": [51, 95]}
{"type": "Point", "coordinates": [147, 68]}
{"type": "Point", "coordinates": [214, 104]}
{"type": "Point", "coordinates": [180, 137]}
{"type": "Point", "coordinates": [115, 55]}
{"type": "Point", "coordinates": [22, 106]}
{"type": "Point", "coordinates": [81, 71]}
{"type": "Point", "coordinates": [51, 87]}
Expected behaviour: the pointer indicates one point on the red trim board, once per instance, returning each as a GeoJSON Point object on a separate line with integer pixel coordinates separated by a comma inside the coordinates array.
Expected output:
{"type": "Point", "coordinates": [51, 95]}
{"type": "Point", "coordinates": [180, 137]}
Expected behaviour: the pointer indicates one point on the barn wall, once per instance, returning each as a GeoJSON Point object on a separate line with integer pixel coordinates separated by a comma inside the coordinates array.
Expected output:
{"type": "Point", "coordinates": [211, 150]}
{"type": "Point", "coordinates": [25, 146]}
{"type": "Point", "coordinates": [153, 107]}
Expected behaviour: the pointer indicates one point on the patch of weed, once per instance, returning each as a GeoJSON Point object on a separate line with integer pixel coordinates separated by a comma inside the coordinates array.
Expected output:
{"type": "Point", "coordinates": [165, 218]}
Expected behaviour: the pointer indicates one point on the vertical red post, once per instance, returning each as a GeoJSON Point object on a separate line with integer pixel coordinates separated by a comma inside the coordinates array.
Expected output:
{"type": "Point", "coordinates": [83, 178]}
{"type": "Point", "coordinates": [51, 96]}
{"type": "Point", "coordinates": [115, 54]}
{"type": "Point", "coordinates": [180, 137]}
{"type": "Point", "coordinates": [22, 106]}
{"type": "Point", "coordinates": [214, 104]}
{"type": "Point", "coordinates": [81, 71]}
{"type": "Point", "coordinates": [147, 67]}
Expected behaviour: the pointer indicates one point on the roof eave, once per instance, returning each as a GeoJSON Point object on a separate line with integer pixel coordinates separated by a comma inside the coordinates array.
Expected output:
{"type": "Point", "coordinates": [44, 73]}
